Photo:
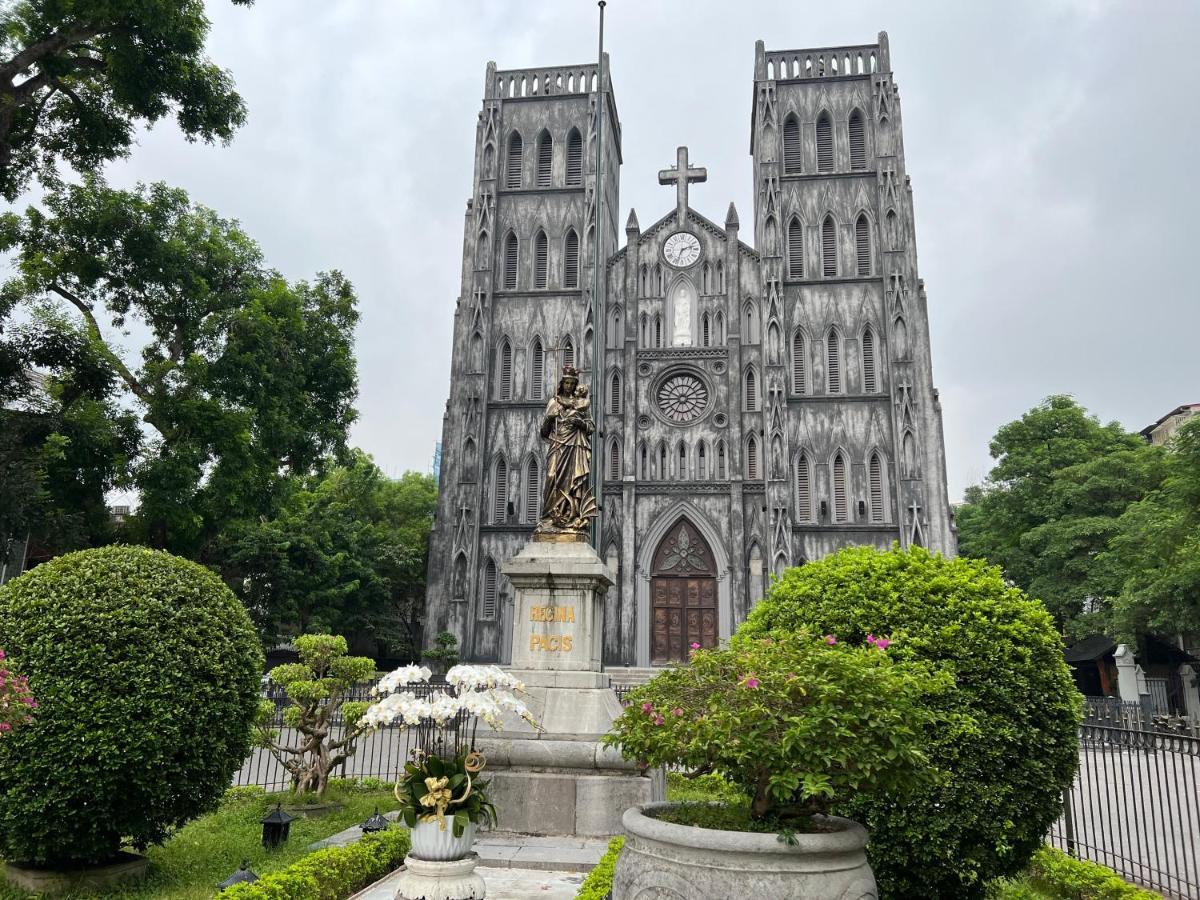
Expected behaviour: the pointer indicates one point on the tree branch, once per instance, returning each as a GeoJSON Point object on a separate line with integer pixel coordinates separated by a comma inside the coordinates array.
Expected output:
{"type": "Point", "coordinates": [54, 43]}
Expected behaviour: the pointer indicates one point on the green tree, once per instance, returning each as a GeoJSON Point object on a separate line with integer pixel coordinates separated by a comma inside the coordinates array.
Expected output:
{"type": "Point", "coordinates": [77, 77]}
{"type": "Point", "coordinates": [1052, 503]}
{"type": "Point", "coordinates": [244, 379]}
{"type": "Point", "coordinates": [345, 553]}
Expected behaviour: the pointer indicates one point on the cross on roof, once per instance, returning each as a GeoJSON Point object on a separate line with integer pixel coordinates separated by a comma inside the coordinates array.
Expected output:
{"type": "Point", "coordinates": [681, 175]}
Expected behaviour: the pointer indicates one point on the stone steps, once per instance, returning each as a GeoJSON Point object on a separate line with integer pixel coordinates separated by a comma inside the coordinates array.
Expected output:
{"type": "Point", "coordinates": [631, 676]}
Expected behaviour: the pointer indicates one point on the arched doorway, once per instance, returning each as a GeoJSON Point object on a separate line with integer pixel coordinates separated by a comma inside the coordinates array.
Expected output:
{"type": "Point", "coordinates": [683, 595]}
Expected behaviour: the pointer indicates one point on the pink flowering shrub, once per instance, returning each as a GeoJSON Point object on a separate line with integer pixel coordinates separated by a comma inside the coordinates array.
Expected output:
{"type": "Point", "coordinates": [797, 722]}
{"type": "Point", "coordinates": [16, 700]}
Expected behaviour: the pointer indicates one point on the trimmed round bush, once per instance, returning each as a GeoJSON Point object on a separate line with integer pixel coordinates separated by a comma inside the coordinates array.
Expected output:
{"type": "Point", "coordinates": [146, 669]}
{"type": "Point", "coordinates": [1009, 744]}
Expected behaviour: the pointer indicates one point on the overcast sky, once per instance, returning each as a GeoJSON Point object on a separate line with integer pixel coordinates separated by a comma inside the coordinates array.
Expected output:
{"type": "Point", "coordinates": [1053, 150]}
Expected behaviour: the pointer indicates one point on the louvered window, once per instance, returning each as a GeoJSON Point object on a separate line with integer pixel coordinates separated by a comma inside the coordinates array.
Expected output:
{"type": "Point", "coordinates": [862, 245]}
{"type": "Point", "coordinates": [510, 262]}
{"type": "Point", "coordinates": [658, 331]}
{"type": "Point", "coordinates": [840, 508]}
{"type": "Point", "coordinates": [533, 492]}
{"type": "Point", "coordinates": [512, 168]}
{"type": "Point", "coordinates": [540, 259]}
{"type": "Point", "coordinates": [721, 471]}
{"type": "Point", "coordinates": [701, 463]}
{"type": "Point", "coordinates": [705, 331]}
{"type": "Point", "coordinates": [803, 490]}
{"type": "Point", "coordinates": [568, 354]}
{"type": "Point", "coordinates": [662, 462]}
{"type": "Point", "coordinates": [858, 141]}
{"type": "Point", "coordinates": [537, 370]}
{"type": "Point", "coordinates": [545, 159]}
{"type": "Point", "coordinates": [752, 459]}
{"type": "Point", "coordinates": [505, 371]}
{"type": "Point", "coordinates": [791, 146]}
{"type": "Point", "coordinates": [876, 476]}
{"type": "Point", "coordinates": [868, 361]}
{"type": "Point", "coordinates": [799, 367]}
{"type": "Point", "coordinates": [614, 394]}
{"type": "Point", "coordinates": [824, 143]}
{"type": "Point", "coordinates": [833, 365]}
{"type": "Point", "coordinates": [829, 248]}
{"type": "Point", "coordinates": [751, 391]}
{"type": "Point", "coordinates": [500, 493]}
{"type": "Point", "coordinates": [795, 239]}
{"type": "Point", "coordinates": [574, 158]}
{"type": "Point", "coordinates": [571, 260]}
{"type": "Point", "coordinates": [614, 461]}
{"type": "Point", "coordinates": [487, 608]}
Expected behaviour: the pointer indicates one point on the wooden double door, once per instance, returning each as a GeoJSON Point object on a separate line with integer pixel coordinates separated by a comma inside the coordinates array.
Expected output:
{"type": "Point", "coordinates": [683, 596]}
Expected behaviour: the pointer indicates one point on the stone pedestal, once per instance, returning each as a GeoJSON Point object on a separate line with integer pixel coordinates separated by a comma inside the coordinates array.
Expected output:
{"type": "Point", "coordinates": [454, 879]}
{"type": "Point", "coordinates": [560, 780]}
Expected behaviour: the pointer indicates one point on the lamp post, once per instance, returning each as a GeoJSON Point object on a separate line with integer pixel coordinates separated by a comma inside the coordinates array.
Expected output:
{"type": "Point", "coordinates": [276, 825]}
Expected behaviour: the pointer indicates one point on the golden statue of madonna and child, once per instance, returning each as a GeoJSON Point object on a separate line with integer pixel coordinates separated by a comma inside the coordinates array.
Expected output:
{"type": "Point", "coordinates": [568, 503]}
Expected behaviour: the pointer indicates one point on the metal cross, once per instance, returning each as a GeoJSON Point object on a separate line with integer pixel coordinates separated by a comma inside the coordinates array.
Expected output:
{"type": "Point", "coordinates": [681, 175]}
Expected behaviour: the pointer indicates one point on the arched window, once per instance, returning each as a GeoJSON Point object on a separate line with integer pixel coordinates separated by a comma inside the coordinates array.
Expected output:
{"type": "Point", "coordinates": [681, 472]}
{"type": "Point", "coordinates": [868, 361]}
{"type": "Point", "coordinates": [841, 509]}
{"type": "Point", "coordinates": [662, 280]}
{"type": "Point", "coordinates": [719, 328]}
{"type": "Point", "coordinates": [791, 145]}
{"type": "Point", "coordinates": [893, 230]}
{"type": "Point", "coordinates": [458, 583]}
{"type": "Point", "coordinates": [468, 469]}
{"type": "Point", "coordinates": [829, 248]}
{"type": "Point", "coordinates": [824, 143]}
{"type": "Point", "coordinates": [795, 248]}
{"type": "Point", "coordinates": [614, 460]}
{"type": "Point", "coordinates": [900, 333]}
{"type": "Point", "coordinates": [537, 370]}
{"type": "Point", "coordinates": [799, 364]}
{"type": "Point", "coordinates": [500, 492]}
{"type": "Point", "coordinates": [571, 259]}
{"type": "Point", "coordinates": [803, 488]}
{"type": "Point", "coordinates": [510, 262]}
{"type": "Point", "coordinates": [658, 334]}
{"type": "Point", "coordinates": [858, 141]}
{"type": "Point", "coordinates": [750, 321]}
{"type": "Point", "coordinates": [720, 277]}
{"type": "Point", "coordinates": [705, 331]}
{"type": "Point", "coordinates": [643, 472]}
{"type": "Point", "coordinates": [752, 458]}
{"type": "Point", "coordinates": [662, 462]}
{"type": "Point", "coordinates": [512, 168]}
{"type": "Point", "coordinates": [568, 351]}
{"type": "Point", "coordinates": [476, 361]}
{"type": "Point", "coordinates": [533, 491]}
{"type": "Point", "coordinates": [615, 330]}
{"type": "Point", "coordinates": [705, 279]}
{"type": "Point", "coordinates": [833, 362]}
{"type": "Point", "coordinates": [644, 326]}
{"type": "Point", "coordinates": [643, 281]}
{"type": "Point", "coordinates": [909, 446]}
{"type": "Point", "coordinates": [656, 281]}
{"type": "Point", "coordinates": [487, 601]}
{"type": "Point", "coordinates": [541, 259]}
{"type": "Point", "coordinates": [545, 159]}
{"type": "Point", "coordinates": [862, 244]}
{"type": "Point", "coordinates": [722, 470]}
{"type": "Point", "coordinates": [702, 462]}
{"type": "Point", "coordinates": [574, 158]}
{"type": "Point", "coordinates": [875, 476]}
{"type": "Point", "coordinates": [751, 392]}
{"type": "Point", "coordinates": [504, 372]}
{"type": "Point", "coordinates": [614, 394]}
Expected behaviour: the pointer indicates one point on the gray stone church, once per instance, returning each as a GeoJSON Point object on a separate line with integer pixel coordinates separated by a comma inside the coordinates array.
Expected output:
{"type": "Point", "coordinates": [763, 399]}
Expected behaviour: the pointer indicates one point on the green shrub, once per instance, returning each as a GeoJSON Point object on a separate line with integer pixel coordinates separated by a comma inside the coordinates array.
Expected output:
{"type": "Point", "coordinates": [331, 874]}
{"type": "Point", "coordinates": [1008, 742]}
{"type": "Point", "coordinates": [146, 668]}
{"type": "Point", "coordinates": [599, 881]}
{"type": "Point", "coordinates": [1079, 879]}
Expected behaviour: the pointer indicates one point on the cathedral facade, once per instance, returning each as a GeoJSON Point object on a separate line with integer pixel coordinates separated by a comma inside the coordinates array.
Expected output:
{"type": "Point", "coordinates": [762, 398]}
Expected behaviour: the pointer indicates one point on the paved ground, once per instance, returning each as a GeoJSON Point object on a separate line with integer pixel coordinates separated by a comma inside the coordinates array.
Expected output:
{"type": "Point", "coordinates": [502, 884]}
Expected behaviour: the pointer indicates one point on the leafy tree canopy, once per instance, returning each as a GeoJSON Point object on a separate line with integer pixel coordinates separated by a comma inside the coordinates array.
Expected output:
{"type": "Point", "coordinates": [77, 76]}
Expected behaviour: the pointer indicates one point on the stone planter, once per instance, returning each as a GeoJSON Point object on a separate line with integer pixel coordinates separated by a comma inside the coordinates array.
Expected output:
{"type": "Point", "coordinates": [431, 843]}
{"type": "Point", "coordinates": [665, 861]}
{"type": "Point", "coordinates": [126, 867]}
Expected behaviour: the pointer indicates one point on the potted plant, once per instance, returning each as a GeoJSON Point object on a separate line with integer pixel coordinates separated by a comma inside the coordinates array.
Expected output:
{"type": "Point", "coordinates": [795, 722]}
{"type": "Point", "coordinates": [442, 797]}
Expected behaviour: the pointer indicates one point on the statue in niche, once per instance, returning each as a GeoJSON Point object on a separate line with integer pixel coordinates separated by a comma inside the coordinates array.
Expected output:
{"type": "Point", "coordinates": [681, 335]}
{"type": "Point", "coordinates": [568, 504]}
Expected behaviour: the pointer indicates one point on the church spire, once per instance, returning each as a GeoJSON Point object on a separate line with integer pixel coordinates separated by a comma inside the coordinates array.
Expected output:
{"type": "Point", "coordinates": [731, 217]}
{"type": "Point", "coordinates": [632, 223]}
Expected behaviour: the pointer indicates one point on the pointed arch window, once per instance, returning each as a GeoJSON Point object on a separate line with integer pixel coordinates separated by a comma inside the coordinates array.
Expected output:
{"type": "Point", "coordinates": [541, 259]}
{"type": "Point", "coordinates": [458, 583]}
{"type": "Point", "coordinates": [644, 326]}
{"type": "Point", "coordinates": [833, 362]}
{"type": "Point", "coordinates": [803, 488]}
{"type": "Point", "coordinates": [720, 277]}
{"type": "Point", "coordinates": [791, 145]}
{"type": "Point", "coordinates": [568, 351]}
{"type": "Point", "coordinates": [868, 361]}
{"type": "Point", "coordinates": [614, 460]}
{"type": "Point", "coordinates": [500, 492]}
{"type": "Point", "coordinates": [681, 462]}
{"type": "Point", "coordinates": [476, 361]}
{"type": "Point", "coordinates": [705, 331]}
{"type": "Point", "coordinates": [533, 491]}
{"type": "Point", "coordinates": [751, 391]}
{"type": "Point", "coordinates": [893, 230]}
{"type": "Point", "coordinates": [750, 318]}
{"type": "Point", "coordinates": [824, 143]}
{"type": "Point", "coordinates": [841, 509]}
{"type": "Point", "coordinates": [658, 331]}
{"type": "Point", "coordinates": [545, 159]}
{"type": "Point", "coordinates": [644, 281]}
{"type": "Point", "coordinates": [511, 258]}
{"type": "Point", "coordinates": [615, 331]}
{"type": "Point", "coordinates": [722, 468]}
{"type": "Point", "coordinates": [829, 248]}
{"type": "Point", "coordinates": [643, 472]}
{"type": "Point", "coordinates": [858, 141]}
{"type": "Point", "coordinates": [702, 462]}
{"type": "Point", "coordinates": [795, 248]}
{"type": "Point", "coordinates": [504, 372]}
{"type": "Point", "coordinates": [571, 259]}
{"type": "Point", "coordinates": [719, 328]}
{"type": "Point", "coordinates": [705, 279]}
{"type": "Point", "coordinates": [875, 477]}
{"type": "Point", "coordinates": [512, 166]}
{"type": "Point", "coordinates": [614, 394]}
{"type": "Point", "coordinates": [537, 370]}
{"type": "Point", "coordinates": [862, 244]}
{"type": "Point", "coordinates": [574, 158]}
{"type": "Point", "coordinates": [752, 458]}
{"type": "Point", "coordinates": [799, 364]}
{"type": "Point", "coordinates": [487, 602]}
{"type": "Point", "coordinates": [662, 462]}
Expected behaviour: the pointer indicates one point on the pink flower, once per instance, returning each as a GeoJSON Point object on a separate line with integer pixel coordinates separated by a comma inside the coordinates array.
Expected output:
{"type": "Point", "coordinates": [882, 643]}
{"type": "Point", "coordinates": [677, 711]}
{"type": "Point", "coordinates": [658, 720]}
{"type": "Point", "coordinates": [695, 646]}
{"type": "Point", "coordinates": [4, 726]}
{"type": "Point", "coordinates": [647, 707]}
{"type": "Point", "coordinates": [751, 681]}
{"type": "Point", "coordinates": [2, 656]}
{"type": "Point", "coordinates": [830, 639]}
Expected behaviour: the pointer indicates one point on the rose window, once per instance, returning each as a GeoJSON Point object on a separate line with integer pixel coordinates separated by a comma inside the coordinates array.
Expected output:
{"type": "Point", "coordinates": [682, 398]}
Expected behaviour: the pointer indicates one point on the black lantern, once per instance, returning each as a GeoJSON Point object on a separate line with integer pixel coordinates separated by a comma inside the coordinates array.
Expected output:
{"type": "Point", "coordinates": [276, 826]}
{"type": "Point", "coordinates": [242, 876]}
{"type": "Point", "coordinates": [375, 823]}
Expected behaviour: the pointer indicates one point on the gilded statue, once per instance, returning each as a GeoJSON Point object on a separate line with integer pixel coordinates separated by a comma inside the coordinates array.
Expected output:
{"type": "Point", "coordinates": [568, 504]}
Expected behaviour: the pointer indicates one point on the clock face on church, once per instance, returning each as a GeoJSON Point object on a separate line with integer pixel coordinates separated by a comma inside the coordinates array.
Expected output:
{"type": "Point", "coordinates": [682, 249]}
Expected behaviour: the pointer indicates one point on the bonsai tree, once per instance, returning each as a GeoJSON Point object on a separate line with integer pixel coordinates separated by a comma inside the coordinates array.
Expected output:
{"type": "Point", "coordinates": [1008, 743]}
{"type": "Point", "coordinates": [798, 722]}
{"type": "Point", "coordinates": [146, 669]}
{"type": "Point", "coordinates": [316, 687]}
{"type": "Point", "coordinates": [443, 655]}
{"type": "Point", "coordinates": [16, 702]}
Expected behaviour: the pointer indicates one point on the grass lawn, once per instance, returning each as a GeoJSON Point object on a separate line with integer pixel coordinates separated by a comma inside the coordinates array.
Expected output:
{"type": "Point", "coordinates": [205, 852]}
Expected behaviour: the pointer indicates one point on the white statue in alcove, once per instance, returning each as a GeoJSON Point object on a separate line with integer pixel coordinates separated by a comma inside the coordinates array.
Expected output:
{"type": "Point", "coordinates": [681, 314]}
